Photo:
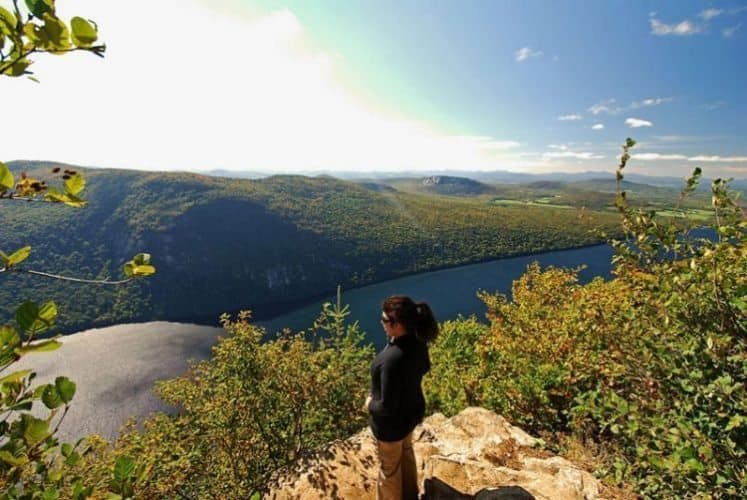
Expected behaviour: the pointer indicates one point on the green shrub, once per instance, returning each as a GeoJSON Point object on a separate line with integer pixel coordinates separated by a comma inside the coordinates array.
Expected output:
{"type": "Point", "coordinates": [255, 407]}
{"type": "Point", "coordinates": [652, 364]}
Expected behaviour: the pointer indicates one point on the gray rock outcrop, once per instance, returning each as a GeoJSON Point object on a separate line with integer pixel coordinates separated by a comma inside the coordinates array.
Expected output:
{"type": "Point", "coordinates": [472, 451]}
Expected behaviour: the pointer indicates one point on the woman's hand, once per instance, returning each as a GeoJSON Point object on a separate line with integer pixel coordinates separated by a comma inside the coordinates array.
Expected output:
{"type": "Point", "coordinates": [368, 400]}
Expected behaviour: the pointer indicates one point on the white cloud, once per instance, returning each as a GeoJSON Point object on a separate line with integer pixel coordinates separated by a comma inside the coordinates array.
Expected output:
{"type": "Point", "coordinates": [597, 126]}
{"type": "Point", "coordinates": [609, 108]}
{"type": "Point", "coordinates": [710, 13]}
{"type": "Point", "coordinates": [719, 159]}
{"type": "Point", "coordinates": [252, 92]}
{"type": "Point", "coordinates": [731, 31]}
{"type": "Point", "coordinates": [657, 156]}
{"type": "Point", "coordinates": [525, 53]}
{"type": "Point", "coordinates": [605, 107]}
{"type": "Point", "coordinates": [561, 147]}
{"type": "Point", "coordinates": [684, 28]}
{"type": "Point", "coordinates": [654, 101]}
{"type": "Point", "coordinates": [568, 118]}
{"type": "Point", "coordinates": [637, 123]}
{"type": "Point", "coordinates": [584, 155]}
{"type": "Point", "coordinates": [713, 105]}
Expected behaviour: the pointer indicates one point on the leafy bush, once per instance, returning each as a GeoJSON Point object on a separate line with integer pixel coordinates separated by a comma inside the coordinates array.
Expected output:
{"type": "Point", "coordinates": [455, 352]}
{"type": "Point", "coordinates": [252, 409]}
{"type": "Point", "coordinates": [651, 364]}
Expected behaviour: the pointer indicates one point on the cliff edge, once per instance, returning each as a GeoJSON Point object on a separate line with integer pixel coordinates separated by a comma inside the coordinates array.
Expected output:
{"type": "Point", "coordinates": [475, 454]}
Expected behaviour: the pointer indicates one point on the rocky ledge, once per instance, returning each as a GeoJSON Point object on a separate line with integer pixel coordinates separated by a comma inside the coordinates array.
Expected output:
{"type": "Point", "coordinates": [475, 454]}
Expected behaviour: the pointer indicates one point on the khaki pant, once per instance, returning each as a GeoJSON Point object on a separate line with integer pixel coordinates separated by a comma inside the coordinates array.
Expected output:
{"type": "Point", "coordinates": [398, 476]}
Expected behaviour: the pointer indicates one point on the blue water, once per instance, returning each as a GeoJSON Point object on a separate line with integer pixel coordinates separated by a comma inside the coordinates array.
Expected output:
{"type": "Point", "coordinates": [449, 292]}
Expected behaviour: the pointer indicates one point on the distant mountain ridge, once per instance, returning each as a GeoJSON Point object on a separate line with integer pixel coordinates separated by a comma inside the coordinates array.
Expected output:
{"type": "Point", "coordinates": [494, 176]}
{"type": "Point", "coordinates": [488, 177]}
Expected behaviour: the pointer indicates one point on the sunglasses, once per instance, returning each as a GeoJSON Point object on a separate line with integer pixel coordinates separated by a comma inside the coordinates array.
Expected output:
{"type": "Point", "coordinates": [390, 321]}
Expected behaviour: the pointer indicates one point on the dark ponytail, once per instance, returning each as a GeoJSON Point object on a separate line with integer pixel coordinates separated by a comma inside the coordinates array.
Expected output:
{"type": "Point", "coordinates": [417, 318]}
{"type": "Point", "coordinates": [427, 328]}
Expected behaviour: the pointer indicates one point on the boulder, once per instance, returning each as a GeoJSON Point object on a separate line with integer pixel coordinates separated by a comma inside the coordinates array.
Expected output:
{"type": "Point", "coordinates": [475, 454]}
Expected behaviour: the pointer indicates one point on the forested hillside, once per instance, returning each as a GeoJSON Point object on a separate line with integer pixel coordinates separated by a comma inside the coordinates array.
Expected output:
{"type": "Point", "coordinates": [227, 244]}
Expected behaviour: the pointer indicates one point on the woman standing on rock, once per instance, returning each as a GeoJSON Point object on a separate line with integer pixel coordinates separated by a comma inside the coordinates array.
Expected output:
{"type": "Point", "coordinates": [396, 403]}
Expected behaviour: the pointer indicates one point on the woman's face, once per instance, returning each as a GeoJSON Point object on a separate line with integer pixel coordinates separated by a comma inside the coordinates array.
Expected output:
{"type": "Point", "coordinates": [392, 327]}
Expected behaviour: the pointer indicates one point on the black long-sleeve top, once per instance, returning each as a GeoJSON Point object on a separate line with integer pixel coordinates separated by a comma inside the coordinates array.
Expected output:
{"type": "Point", "coordinates": [397, 402]}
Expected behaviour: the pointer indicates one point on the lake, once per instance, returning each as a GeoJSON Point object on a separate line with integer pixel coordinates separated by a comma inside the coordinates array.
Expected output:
{"type": "Point", "coordinates": [449, 292]}
{"type": "Point", "coordinates": [115, 367]}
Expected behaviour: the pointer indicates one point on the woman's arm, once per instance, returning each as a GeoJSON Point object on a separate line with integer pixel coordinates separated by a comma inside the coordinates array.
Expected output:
{"type": "Point", "coordinates": [391, 389]}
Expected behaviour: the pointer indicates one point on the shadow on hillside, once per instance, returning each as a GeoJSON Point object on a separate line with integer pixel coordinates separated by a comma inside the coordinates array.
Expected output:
{"type": "Point", "coordinates": [435, 489]}
{"type": "Point", "coordinates": [227, 255]}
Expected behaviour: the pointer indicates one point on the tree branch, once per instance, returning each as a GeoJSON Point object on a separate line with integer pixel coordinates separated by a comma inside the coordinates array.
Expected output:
{"type": "Point", "coordinates": [19, 19]}
{"type": "Point", "coordinates": [11, 62]}
{"type": "Point", "coordinates": [25, 198]}
{"type": "Point", "coordinates": [96, 50]}
{"type": "Point", "coordinates": [67, 278]}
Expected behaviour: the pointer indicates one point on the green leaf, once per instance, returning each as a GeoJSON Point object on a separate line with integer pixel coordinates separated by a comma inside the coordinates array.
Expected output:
{"type": "Point", "coordinates": [695, 465]}
{"type": "Point", "coordinates": [26, 314]}
{"type": "Point", "coordinates": [35, 429]}
{"type": "Point", "coordinates": [73, 459]}
{"type": "Point", "coordinates": [66, 449]}
{"type": "Point", "coordinates": [139, 266]}
{"type": "Point", "coordinates": [23, 405]}
{"type": "Point", "coordinates": [18, 68]}
{"type": "Point", "coordinates": [33, 320]}
{"type": "Point", "coordinates": [15, 376]}
{"type": "Point", "coordinates": [739, 304]}
{"type": "Point", "coordinates": [54, 195]}
{"type": "Point", "coordinates": [84, 33]}
{"type": "Point", "coordinates": [73, 201]}
{"type": "Point", "coordinates": [143, 270]}
{"type": "Point", "coordinates": [8, 335]}
{"type": "Point", "coordinates": [66, 388]}
{"type": "Point", "coordinates": [735, 421]}
{"type": "Point", "coordinates": [6, 176]}
{"type": "Point", "coordinates": [7, 21]}
{"type": "Point", "coordinates": [14, 461]}
{"type": "Point", "coordinates": [46, 346]}
{"type": "Point", "coordinates": [55, 33]}
{"type": "Point", "coordinates": [52, 493]}
{"type": "Point", "coordinates": [40, 7]}
{"type": "Point", "coordinates": [68, 199]}
{"type": "Point", "coordinates": [75, 184]}
{"type": "Point", "coordinates": [123, 468]}
{"type": "Point", "coordinates": [19, 256]}
{"type": "Point", "coordinates": [141, 259]}
{"type": "Point", "coordinates": [51, 397]}
{"type": "Point", "coordinates": [48, 312]}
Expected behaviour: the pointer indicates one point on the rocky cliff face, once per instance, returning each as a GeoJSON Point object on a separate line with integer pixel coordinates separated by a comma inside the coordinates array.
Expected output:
{"type": "Point", "coordinates": [476, 454]}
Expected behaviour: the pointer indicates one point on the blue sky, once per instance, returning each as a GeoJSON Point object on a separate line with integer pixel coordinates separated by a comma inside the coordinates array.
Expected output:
{"type": "Point", "coordinates": [353, 85]}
